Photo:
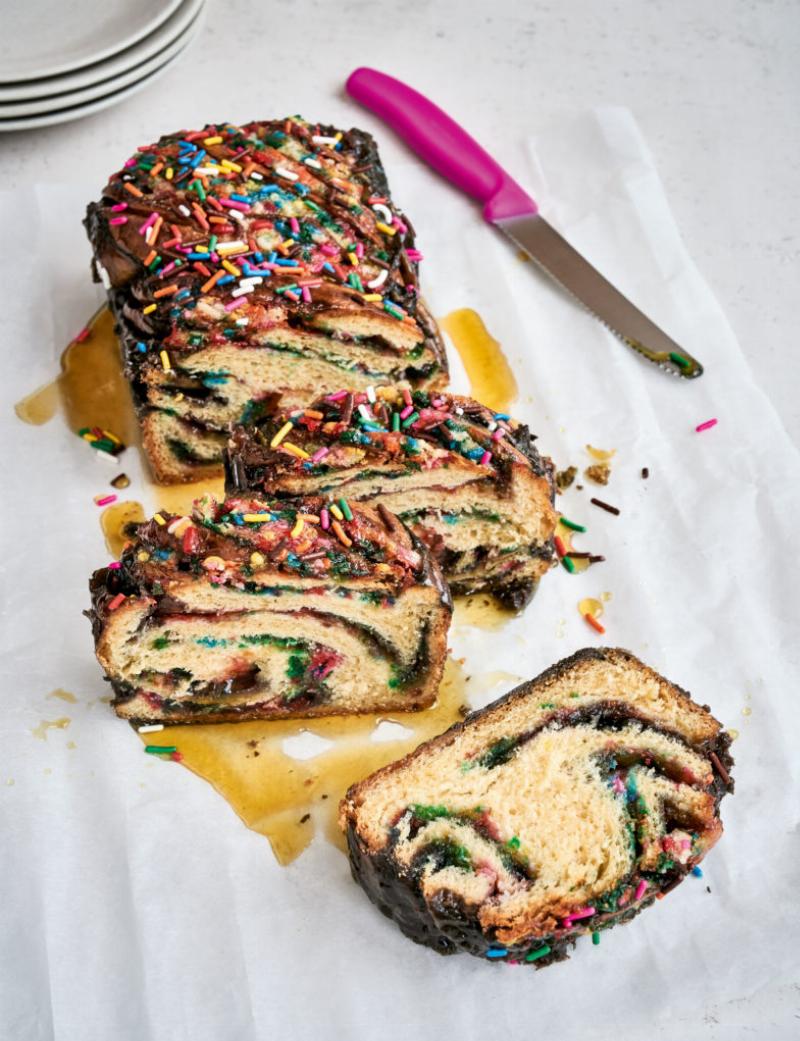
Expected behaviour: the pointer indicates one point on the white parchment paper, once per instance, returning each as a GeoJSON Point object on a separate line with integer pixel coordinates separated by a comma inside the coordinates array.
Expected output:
{"type": "Point", "coordinates": [135, 905]}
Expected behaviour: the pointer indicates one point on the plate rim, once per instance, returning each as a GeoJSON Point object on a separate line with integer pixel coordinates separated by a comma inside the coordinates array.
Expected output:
{"type": "Point", "coordinates": [101, 88]}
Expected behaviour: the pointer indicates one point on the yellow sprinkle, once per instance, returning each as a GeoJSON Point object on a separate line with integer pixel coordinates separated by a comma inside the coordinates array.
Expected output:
{"type": "Point", "coordinates": [112, 437]}
{"type": "Point", "coordinates": [90, 437]}
{"type": "Point", "coordinates": [201, 249]}
{"type": "Point", "coordinates": [385, 228]}
{"type": "Point", "coordinates": [371, 298]}
{"type": "Point", "coordinates": [256, 518]}
{"type": "Point", "coordinates": [287, 243]}
{"type": "Point", "coordinates": [169, 173]}
{"type": "Point", "coordinates": [287, 446]}
{"type": "Point", "coordinates": [284, 430]}
{"type": "Point", "coordinates": [336, 511]}
{"type": "Point", "coordinates": [257, 559]}
{"type": "Point", "coordinates": [159, 519]}
{"type": "Point", "coordinates": [231, 248]}
{"type": "Point", "coordinates": [231, 166]}
{"type": "Point", "coordinates": [353, 259]}
{"type": "Point", "coordinates": [298, 527]}
{"type": "Point", "coordinates": [165, 361]}
{"type": "Point", "coordinates": [231, 269]}
{"type": "Point", "coordinates": [142, 556]}
{"type": "Point", "coordinates": [212, 141]}
{"type": "Point", "coordinates": [149, 309]}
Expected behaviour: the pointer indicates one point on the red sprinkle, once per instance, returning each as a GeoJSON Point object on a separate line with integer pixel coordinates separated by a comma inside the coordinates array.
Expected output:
{"type": "Point", "coordinates": [176, 757]}
{"type": "Point", "coordinates": [118, 599]}
{"type": "Point", "coordinates": [84, 335]}
{"type": "Point", "coordinates": [561, 549]}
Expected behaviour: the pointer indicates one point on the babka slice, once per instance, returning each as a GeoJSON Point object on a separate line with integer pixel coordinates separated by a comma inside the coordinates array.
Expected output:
{"type": "Point", "coordinates": [468, 481]}
{"type": "Point", "coordinates": [252, 609]}
{"type": "Point", "coordinates": [564, 808]}
{"type": "Point", "coordinates": [255, 261]}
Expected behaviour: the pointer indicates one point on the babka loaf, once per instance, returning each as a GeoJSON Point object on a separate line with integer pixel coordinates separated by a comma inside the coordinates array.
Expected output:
{"type": "Point", "coordinates": [252, 609]}
{"type": "Point", "coordinates": [255, 262]}
{"type": "Point", "coordinates": [467, 480]}
{"type": "Point", "coordinates": [564, 808]}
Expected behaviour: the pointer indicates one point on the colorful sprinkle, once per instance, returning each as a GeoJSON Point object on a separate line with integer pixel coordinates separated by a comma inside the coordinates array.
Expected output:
{"type": "Point", "coordinates": [709, 423]}
{"type": "Point", "coordinates": [571, 524]}
{"type": "Point", "coordinates": [116, 601]}
{"type": "Point", "coordinates": [641, 889]}
{"type": "Point", "coordinates": [284, 430]}
{"type": "Point", "coordinates": [539, 953]}
{"type": "Point", "coordinates": [160, 749]}
{"type": "Point", "coordinates": [150, 728]}
{"type": "Point", "coordinates": [104, 500]}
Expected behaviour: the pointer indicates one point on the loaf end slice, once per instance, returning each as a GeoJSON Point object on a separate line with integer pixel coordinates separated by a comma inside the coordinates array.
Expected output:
{"type": "Point", "coordinates": [564, 808]}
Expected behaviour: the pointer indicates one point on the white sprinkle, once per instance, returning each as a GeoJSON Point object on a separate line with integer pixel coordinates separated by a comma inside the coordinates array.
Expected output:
{"type": "Point", "coordinates": [319, 140]}
{"type": "Point", "coordinates": [313, 162]}
{"type": "Point", "coordinates": [281, 171]}
{"type": "Point", "coordinates": [251, 280]}
{"type": "Point", "coordinates": [151, 728]}
{"type": "Point", "coordinates": [227, 247]}
{"type": "Point", "coordinates": [242, 291]}
{"type": "Point", "coordinates": [174, 525]}
{"type": "Point", "coordinates": [459, 411]}
{"type": "Point", "coordinates": [492, 425]}
{"type": "Point", "coordinates": [371, 394]}
{"type": "Point", "coordinates": [383, 211]}
{"type": "Point", "coordinates": [256, 176]}
{"type": "Point", "coordinates": [184, 210]}
{"type": "Point", "coordinates": [208, 170]}
{"type": "Point", "coordinates": [378, 280]}
{"type": "Point", "coordinates": [107, 457]}
{"type": "Point", "coordinates": [242, 321]}
{"type": "Point", "coordinates": [238, 217]}
{"type": "Point", "coordinates": [365, 412]}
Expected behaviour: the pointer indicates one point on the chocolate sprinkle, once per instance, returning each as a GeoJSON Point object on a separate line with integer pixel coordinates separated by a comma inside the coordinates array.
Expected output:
{"type": "Point", "coordinates": [719, 767]}
{"type": "Point", "coordinates": [605, 506]}
{"type": "Point", "coordinates": [389, 520]}
{"type": "Point", "coordinates": [645, 473]}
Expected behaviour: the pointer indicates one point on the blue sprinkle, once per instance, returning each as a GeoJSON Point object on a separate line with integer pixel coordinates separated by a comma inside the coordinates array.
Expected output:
{"type": "Point", "coordinates": [501, 415]}
{"type": "Point", "coordinates": [240, 198]}
{"type": "Point", "coordinates": [183, 294]}
{"type": "Point", "coordinates": [272, 257]}
{"type": "Point", "coordinates": [141, 347]}
{"type": "Point", "coordinates": [225, 280]}
{"type": "Point", "coordinates": [198, 256]}
{"type": "Point", "coordinates": [697, 872]}
{"type": "Point", "coordinates": [329, 267]}
{"type": "Point", "coordinates": [496, 952]}
{"type": "Point", "coordinates": [238, 519]}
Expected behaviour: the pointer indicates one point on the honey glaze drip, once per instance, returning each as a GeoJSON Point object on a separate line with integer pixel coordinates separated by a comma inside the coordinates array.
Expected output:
{"type": "Point", "coordinates": [114, 521]}
{"type": "Point", "coordinates": [288, 799]}
{"type": "Point", "coordinates": [491, 379]}
{"type": "Point", "coordinates": [178, 498]}
{"type": "Point", "coordinates": [482, 611]}
{"type": "Point", "coordinates": [39, 407]}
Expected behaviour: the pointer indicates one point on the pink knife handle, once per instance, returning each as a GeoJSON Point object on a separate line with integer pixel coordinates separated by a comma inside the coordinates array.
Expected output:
{"type": "Point", "coordinates": [441, 142]}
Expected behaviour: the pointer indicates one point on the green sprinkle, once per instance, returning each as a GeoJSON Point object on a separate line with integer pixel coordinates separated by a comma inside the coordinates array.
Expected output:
{"type": "Point", "coordinates": [343, 506]}
{"type": "Point", "coordinates": [547, 704]}
{"type": "Point", "coordinates": [513, 843]}
{"type": "Point", "coordinates": [395, 421]}
{"type": "Point", "coordinates": [212, 243]}
{"type": "Point", "coordinates": [154, 263]}
{"type": "Point", "coordinates": [410, 419]}
{"type": "Point", "coordinates": [535, 955]}
{"type": "Point", "coordinates": [568, 564]}
{"type": "Point", "coordinates": [679, 360]}
{"type": "Point", "coordinates": [571, 524]}
{"type": "Point", "coordinates": [595, 938]}
{"type": "Point", "coordinates": [429, 813]}
{"type": "Point", "coordinates": [160, 749]}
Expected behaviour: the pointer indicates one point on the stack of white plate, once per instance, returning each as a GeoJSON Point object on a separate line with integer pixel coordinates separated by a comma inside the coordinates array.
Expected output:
{"type": "Point", "coordinates": [63, 59]}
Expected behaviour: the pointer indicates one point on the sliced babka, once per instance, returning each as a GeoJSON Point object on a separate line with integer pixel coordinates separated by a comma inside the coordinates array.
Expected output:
{"type": "Point", "coordinates": [564, 808]}
{"type": "Point", "coordinates": [255, 609]}
{"type": "Point", "coordinates": [255, 261]}
{"type": "Point", "coordinates": [468, 481]}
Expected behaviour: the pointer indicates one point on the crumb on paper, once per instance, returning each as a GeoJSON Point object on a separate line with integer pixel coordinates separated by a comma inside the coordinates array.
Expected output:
{"type": "Point", "coordinates": [564, 478]}
{"type": "Point", "coordinates": [598, 473]}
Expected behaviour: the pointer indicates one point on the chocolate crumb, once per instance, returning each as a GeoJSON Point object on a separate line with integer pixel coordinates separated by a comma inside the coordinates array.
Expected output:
{"type": "Point", "coordinates": [645, 473]}
{"type": "Point", "coordinates": [305, 817]}
{"type": "Point", "coordinates": [598, 473]}
{"type": "Point", "coordinates": [708, 889]}
{"type": "Point", "coordinates": [120, 481]}
{"type": "Point", "coordinates": [605, 506]}
{"type": "Point", "coordinates": [463, 711]}
{"type": "Point", "coordinates": [578, 487]}
{"type": "Point", "coordinates": [323, 796]}
{"type": "Point", "coordinates": [596, 558]}
{"type": "Point", "coordinates": [388, 519]}
{"type": "Point", "coordinates": [671, 885]}
{"type": "Point", "coordinates": [564, 478]}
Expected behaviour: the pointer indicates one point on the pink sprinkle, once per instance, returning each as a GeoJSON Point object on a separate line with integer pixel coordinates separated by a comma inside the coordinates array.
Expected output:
{"type": "Point", "coordinates": [319, 454]}
{"type": "Point", "coordinates": [114, 565]}
{"type": "Point", "coordinates": [414, 254]}
{"type": "Point", "coordinates": [328, 249]}
{"type": "Point", "coordinates": [292, 295]}
{"type": "Point", "coordinates": [166, 270]}
{"type": "Point", "coordinates": [497, 434]}
{"type": "Point", "coordinates": [324, 519]}
{"type": "Point", "coordinates": [359, 249]}
{"type": "Point", "coordinates": [640, 890]}
{"type": "Point", "coordinates": [406, 411]}
{"type": "Point", "coordinates": [624, 898]}
{"type": "Point", "coordinates": [399, 224]}
{"type": "Point", "coordinates": [617, 785]}
{"type": "Point", "coordinates": [485, 458]}
{"type": "Point", "coordinates": [306, 294]}
{"type": "Point", "coordinates": [129, 163]}
{"type": "Point", "coordinates": [407, 396]}
{"type": "Point", "coordinates": [709, 423]}
{"type": "Point", "coordinates": [585, 912]}
{"type": "Point", "coordinates": [233, 304]}
{"type": "Point", "coordinates": [106, 500]}
{"type": "Point", "coordinates": [148, 223]}
{"type": "Point", "coordinates": [118, 207]}
{"type": "Point", "coordinates": [233, 204]}
{"type": "Point", "coordinates": [337, 396]}
{"type": "Point", "coordinates": [118, 220]}
{"type": "Point", "coordinates": [294, 224]}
